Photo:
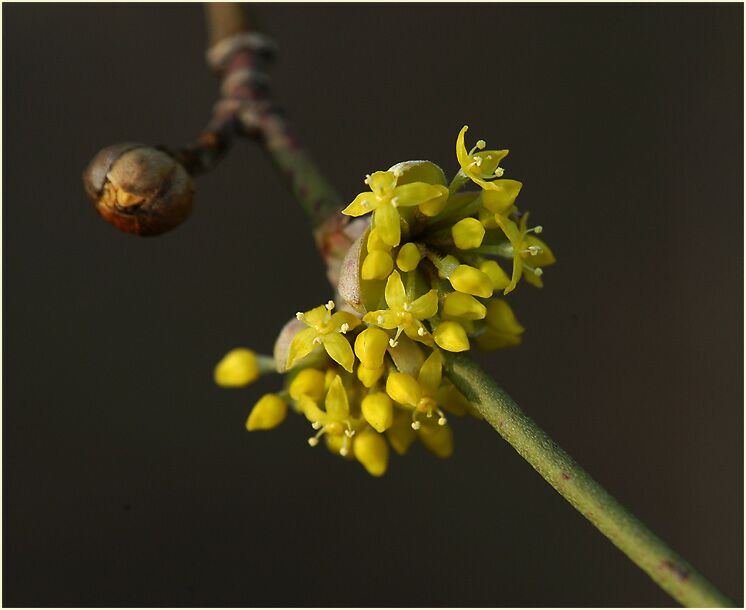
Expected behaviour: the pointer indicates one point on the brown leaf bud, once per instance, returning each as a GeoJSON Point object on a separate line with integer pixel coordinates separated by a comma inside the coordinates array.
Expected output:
{"type": "Point", "coordinates": [139, 189]}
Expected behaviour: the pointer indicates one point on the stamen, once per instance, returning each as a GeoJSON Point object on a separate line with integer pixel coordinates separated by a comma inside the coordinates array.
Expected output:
{"type": "Point", "coordinates": [316, 341]}
{"type": "Point", "coordinates": [421, 331]}
{"type": "Point", "coordinates": [481, 144]}
{"type": "Point", "coordinates": [313, 441]}
{"type": "Point", "coordinates": [415, 424]}
{"type": "Point", "coordinates": [380, 319]}
{"type": "Point", "coordinates": [407, 307]}
{"type": "Point", "coordinates": [537, 229]}
{"type": "Point", "coordinates": [499, 171]}
{"type": "Point", "coordinates": [345, 450]}
{"type": "Point", "coordinates": [538, 272]}
{"type": "Point", "coordinates": [393, 343]}
{"type": "Point", "coordinates": [395, 201]}
{"type": "Point", "coordinates": [534, 250]}
{"type": "Point", "coordinates": [300, 315]}
{"type": "Point", "coordinates": [442, 421]}
{"type": "Point", "coordinates": [367, 177]}
{"type": "Point", "coordinates": [316, 425]}
{"type": "Point", "coordinates": [344, 328]}
{"type": "Point", "coordinates": [330, 305]}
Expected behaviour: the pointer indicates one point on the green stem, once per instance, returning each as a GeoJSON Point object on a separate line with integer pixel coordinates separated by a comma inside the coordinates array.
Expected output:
{"type": "Point", "coordinates": [672, 573]}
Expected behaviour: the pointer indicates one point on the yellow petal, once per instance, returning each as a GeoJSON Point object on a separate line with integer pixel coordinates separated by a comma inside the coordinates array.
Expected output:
{"type": "Point", "coordinates": [395, 294]}
{"type": "Point", "coordinates": [502, 196]}
{"type": "Point", "coordinates": [378, 410]}
{"type": "Point", "coordinates": [377, 265]}
{"type": "Point", "coordinates": [371, 451]}
{"type": "Point", "coordinates": [301, 346]}
{"type": "Point", "coordinates": [315, 316]}
{"type": "Point", "coordinates": [452, 400]}
{"type": "Point", "coordinates": [409, 257]}
{"type": "Point", "coordinates": [339, 350]}
{"type": "Point", "coordinates": [308, 382]}
{"type": "Point", "coordinates": [237, 368]}
{"type": "Point", "coordinates": [426, 306]}
{"type": "Point", "coordinates": [310, 409]}
{"type": "Point", "coordinates": [409, 195]}
{"type": "Point", "coordinates": [382, 317]}
{"type": "Point", "coordinates": [404, 389]}
{"type": "Point", "coordinates": [386, 220]}
{"type": "Point", "coordinates": [336, 402]}
{"type": "Point", "coordinates": [341, 318]}
{"type": "Point", "coordinates": [438, 439]}
{"type": "Point", "coordinates": [467, 233]}
{"type": "Point", "coordinates": [451, 336]}
{"type": "Point", "coordinates": [496, 274]}
{"type": "Point", "coordinates": [369, 377]}
{"type": "Point", "coordinates": [370, 347]}
{"type": "Point", "coordinates": [431, 373]}
{"type": "Point", "coordinates": [364, 203]}
{"type": "Point", "coordinates": [435, 206]}
{"type": "Point", "coordinates": [400, 434]}
{"type": "Point", "coordinates": [269, 412]}
{"type": "Point", "coordinates": [463, 306]}
{"type": "Point", "coordinates": [382, 183]}
{"type": "Point", "coordinates": [471, 281]}
{"type": "Point", "coordinates": [461, 153]}
{"type": "Point", "coordinates": [544, 258]}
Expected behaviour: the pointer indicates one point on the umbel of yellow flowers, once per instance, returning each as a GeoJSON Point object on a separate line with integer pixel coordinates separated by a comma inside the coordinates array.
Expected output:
{"type": "Point", "coordinates": [421, 280]}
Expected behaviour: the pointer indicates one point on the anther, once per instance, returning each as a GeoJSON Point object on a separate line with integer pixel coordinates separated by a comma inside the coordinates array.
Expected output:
{"type": "Point", "coordinates": [538, 272]}
{"type": "Point", "coordinates": [421, 331]}
{"type": "Point", "coordinates": [442, 421]}
{"type": "Point", "coordinates": [481, 144]}
{"type": "Point", "coordinates": [415, 425]}
{"type": "Point", "coordinates": [330, 305]}
{"type": "Point", "coordinates": [300, 315]}
{"type": "Point", "coordinates": [407, 307]}
{"type": "Point", "coordinates": [317, 341]}
{"type": "Point", "coordinates": [499, 172]}
{"type": "Point", "coordinates": [380, 319]}
{"type": "Point", "coordinates": [367, 177]}
{"type": "Point", "coordinates": [393, 343]}
{"type": "Point", "coordinates": [343, 452]}
{"type": "Point", "coordinates": [534, 250]}
{"type": "Point", "coordinates": [313, 441]}
{"type": "Point", "coordinates": [395, 201]}
{"type": "Point", "coordinates": [344, 328]}
{"type": "Point", "coordinates": [537, 229]}
{"type": "Point", "coordinates": [316, 425]}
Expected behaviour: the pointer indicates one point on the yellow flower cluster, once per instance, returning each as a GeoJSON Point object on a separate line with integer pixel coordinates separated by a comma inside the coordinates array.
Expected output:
{"type": "Point", "coordinates": [419, 281]}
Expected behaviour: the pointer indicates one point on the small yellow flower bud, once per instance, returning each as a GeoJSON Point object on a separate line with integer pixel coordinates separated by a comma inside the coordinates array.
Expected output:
{"type": "Point", "coordinates": [463, 306]}
{"type": "Point", "coordinates": [403, 389]}
{"type": "Point", "coordinates": [500, 318]}
{"type": "Point", "coordinates": [375, 243]}
{"type": "Point", "coordinates": [239, 367]}
{"type": "Point", "coordinates": [438, 439]}
{"type": "Point", "coordinates": [408, 257]}
{"type": "Point", "coordinates": [371, 451]}
{"type": "Point", "coordinates": [370, 347]}
{"type": "Point", "coordinates": [467, 233]}
{"type": "Point", "coordinates": [309, 382]}
{"type": "Point", "coordinates": [378, 411]}
{"type": "Point", "coordinates": [471, 281]}
{"type": "Point", "coordinates": [496, 274]}
{"type": "Point", "coordinates": [369, 377]}
{"type": "Point", "coordinates": [377, 265]}
{"type": "Point", "coordinates": [451, 336]}
{"type": "Point", "coordinates": [269, 412]}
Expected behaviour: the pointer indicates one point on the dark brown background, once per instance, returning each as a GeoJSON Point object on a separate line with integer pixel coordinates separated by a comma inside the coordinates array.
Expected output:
{"type": "Point", "coordinates": [129, 479]}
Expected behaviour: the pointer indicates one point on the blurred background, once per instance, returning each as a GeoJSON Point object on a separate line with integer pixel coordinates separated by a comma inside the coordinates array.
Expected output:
{"type": "Point", "coordinates": [128, 476]}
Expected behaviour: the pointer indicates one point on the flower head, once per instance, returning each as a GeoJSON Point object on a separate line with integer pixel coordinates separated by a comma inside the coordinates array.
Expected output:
{"type": "Point", "coordinates": [481, 166]}
{"type": "Point", "coordinates": [327, 329]}
{"type": "Point", "coordinates": [385, 197]}
{"type": "Point", "coordinates": [403, 314]}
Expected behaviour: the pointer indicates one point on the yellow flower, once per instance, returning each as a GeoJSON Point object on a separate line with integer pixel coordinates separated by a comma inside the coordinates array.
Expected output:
{"type": "Point", "coordinates": [239, 367]}
{"type": "Point", "coordinates": [327, 330]}
{"type": "Point", "coordinates": [385, 197]}
{"type": "Point", "coordinates": [481, 166]}
{"type": "Point", "coordinates": [530, 254]}
{"type": "Point", "coordinates": [269, 412]}
{"type": "Point", "coordinates": [438, 439]}
{"type": "Point", "coordinates": [404, 315]}
{"type": "Point", "coordinates": [335, 419]}
{"type": "Point", "coordinates": [400, 434]}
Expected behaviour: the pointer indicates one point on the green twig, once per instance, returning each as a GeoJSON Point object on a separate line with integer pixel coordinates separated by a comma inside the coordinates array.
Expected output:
{"type": "Point", "coordinates": [674, 575]}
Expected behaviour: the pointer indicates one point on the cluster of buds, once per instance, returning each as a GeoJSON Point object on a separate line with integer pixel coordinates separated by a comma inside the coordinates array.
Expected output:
{"type": "Point", "coordinates": [419, 281]}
